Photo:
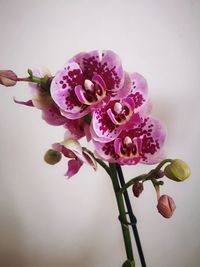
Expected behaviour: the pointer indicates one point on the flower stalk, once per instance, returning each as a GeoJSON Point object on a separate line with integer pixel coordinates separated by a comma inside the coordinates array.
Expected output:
{"type": "Point", "coordinates": [122, 214]}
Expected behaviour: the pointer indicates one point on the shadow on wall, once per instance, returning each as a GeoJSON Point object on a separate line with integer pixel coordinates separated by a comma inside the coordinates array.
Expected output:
{"type": "Point", "coordinates": [14, 251]}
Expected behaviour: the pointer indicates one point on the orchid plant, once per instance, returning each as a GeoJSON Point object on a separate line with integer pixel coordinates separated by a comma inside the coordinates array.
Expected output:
{"type": "Point", "coordinates": [93, 96]}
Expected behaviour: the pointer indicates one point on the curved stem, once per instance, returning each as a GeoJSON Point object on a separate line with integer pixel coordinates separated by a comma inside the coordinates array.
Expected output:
{"type": "Point", "coordinates": [132, 181]}
{"type": "Point", "coordinates": [122, 213]}
{"type": "Point", "coordinates": [144, 177]}
{"type": "Point", "coordinates": [161, 164]}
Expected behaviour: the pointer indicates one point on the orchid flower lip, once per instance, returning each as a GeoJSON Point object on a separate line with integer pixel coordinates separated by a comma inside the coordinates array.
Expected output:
{"type": "Point", "coordinates": [120, 114]}
{"type": "Point", "coordinates": [128, 148]}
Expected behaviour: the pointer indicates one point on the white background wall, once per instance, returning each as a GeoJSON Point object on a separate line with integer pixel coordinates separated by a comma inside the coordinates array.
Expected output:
{"type": "Point", "coordinates": [48, 221]}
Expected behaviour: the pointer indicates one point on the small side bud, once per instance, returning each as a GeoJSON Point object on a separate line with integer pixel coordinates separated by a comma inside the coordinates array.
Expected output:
{"type": "Point", "coordinates": [166, 206]}
{"type": "Point", "coordinates": [137, 189]}
{"type": "Point", "coordinates": [52, 156]}
{"type": "Point", "coordinates": [8, 78]}
{"type": "Point", "coordinates": [160, 174]}
{"type": "Point", "coordinates": [177, 170]}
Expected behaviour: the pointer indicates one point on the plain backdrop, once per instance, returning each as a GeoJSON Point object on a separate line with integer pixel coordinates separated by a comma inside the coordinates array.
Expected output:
{"type": "Point", "coordinates": [49, 221]}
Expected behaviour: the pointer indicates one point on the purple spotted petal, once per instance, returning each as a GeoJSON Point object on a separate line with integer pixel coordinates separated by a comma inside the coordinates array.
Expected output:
{"type": "Point", "coordinates": [125, 89]}
{"type": "Point", "coordinates": [152, 150]}
{"type": "Point", "coordinates": [74, 166]}
{"type": "Point", "coordinates": [112, 71]}
{"type": "Point", "coordinates": [106, 151]}
{"type": "Point", "coordinates": [107, 64]}
{"type": "Point", "coordinates": [139, 90]}
{"type": "Point", "coordinates": [63, 85]}
{"type": "Point", "coordinates": [88, 62]}
{"type": "Point", "coordinates": [74, 116]}
{"type": "Point", "coordinates": [75, 128]}
{"type": "Point", "coordinates": [52, 115]}
{"type": "Point", "coordinates": [102, 127]}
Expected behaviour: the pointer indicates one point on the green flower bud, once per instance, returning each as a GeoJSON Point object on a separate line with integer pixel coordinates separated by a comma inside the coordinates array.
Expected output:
{"type": "Point", "coordinates": [177, 170]}
{"type": "Point", "coordinates": [128, 263]}
{"type": "Point", "coordinates": [52, 156]}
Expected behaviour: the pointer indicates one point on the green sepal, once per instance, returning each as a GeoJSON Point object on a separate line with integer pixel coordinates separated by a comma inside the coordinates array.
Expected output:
{"type": "Point", "coordinates": [30, 73]}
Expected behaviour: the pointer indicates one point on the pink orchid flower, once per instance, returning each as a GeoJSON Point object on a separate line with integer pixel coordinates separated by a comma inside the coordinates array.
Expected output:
{"type": "Point", "coordinates": [118, 115]}
{"type": "Point", "coordinates": [87, 80]}
{"type": "Point", "coordinates": [72, 149]}
{"type": "Point", "coordinates": [143, 143]}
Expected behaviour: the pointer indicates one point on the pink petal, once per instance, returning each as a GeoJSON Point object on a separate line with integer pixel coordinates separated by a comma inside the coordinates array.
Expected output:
{"type": "Point", "coordinates": [75, 128]}
{"type": "Point", "coordinates": [87, 132]}
{"type": "Point", "coordinates": [73, 145]}
{"type": "Point", "coordinates": [106, 64]}
{"type": "Point", "coordinates": [153, 145]}
{"type": "Point", "coordinates": [72, 116]}
{"type": "Point", "coordinates": [53, 116]}
{"type": "Point", "coordinates": [28, 103]}
{"type": "Point", "coordinates": [125, 89]}
{"type": "Point", "coordinates": [139, 90]}
{"type": "Point", "coordinates": [112, 72]}
{"type": "Point", "coordinates": [88, 62]}
{"type": "Point", "coordinates": [106, 151]}
{"type": "Point", "coordinates": [63, 85]}
{"type": "Point", "coordinates": [66, 152]}
{"type": "Point", "coordinates": [80, 93]}
{"type": "Point", "coordinates": [74, 166]}
{"type": "Point", "coordinates": [102, 126]}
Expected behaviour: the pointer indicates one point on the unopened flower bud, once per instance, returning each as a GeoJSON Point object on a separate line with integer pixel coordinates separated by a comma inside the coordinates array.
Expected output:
{"type": "Point", "coordinates": [137, 189]}
{"type": "Point", "coordinates": [52, 156]}
{"type": "Point", "coordinates": [128, 263]}
{"type": "Point", "coordinates": [8, 78]}
{"type": "Point", "coordinates": [177, 170]}
{"type": "Point", "coordinates": [166, 206]}
{"type": "Point", "coordinates": [160, 174]}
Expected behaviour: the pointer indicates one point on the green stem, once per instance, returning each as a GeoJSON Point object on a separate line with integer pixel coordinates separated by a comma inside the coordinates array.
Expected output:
{"type": "Point", "coordinates": [44, 82]}
{"type": "Point", "coordinates": [99, 161]}
{"type": "Point", "coordinates": [122, 213]}
{"type": "Point", "coordinates": [32, 79]}
{"type": "Point", "coordinates": [132, 181]}
{"type": "Point", "coordinates": [144, 177]}
{"type": "Point", "coordinates": [161, 164]}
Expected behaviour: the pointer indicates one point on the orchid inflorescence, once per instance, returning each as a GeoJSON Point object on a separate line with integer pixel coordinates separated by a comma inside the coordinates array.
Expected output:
{"type": "Point", "coordinates": [92, 96]}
